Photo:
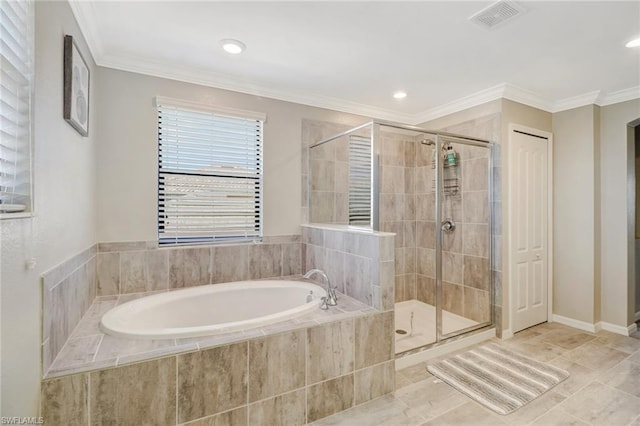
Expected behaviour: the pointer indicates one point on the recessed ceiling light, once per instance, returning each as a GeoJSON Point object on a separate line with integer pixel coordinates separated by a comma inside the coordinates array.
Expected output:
{"type": "Point", "coordinates": [232, 46]}
{"type": "Point", "coordinates": [634, 43]}
{"type": "Point", "coordinates": [400, 95]}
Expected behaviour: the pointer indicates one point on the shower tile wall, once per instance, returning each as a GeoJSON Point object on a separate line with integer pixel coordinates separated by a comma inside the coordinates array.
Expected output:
{"type": "Point", "coordinates": [398, 207]}
{"type": "Point", "coordinates": [465, 263]}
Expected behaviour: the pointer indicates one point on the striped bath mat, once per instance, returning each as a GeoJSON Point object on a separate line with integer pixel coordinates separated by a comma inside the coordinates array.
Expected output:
{"type": "Point", "coordinates": [499, 379]}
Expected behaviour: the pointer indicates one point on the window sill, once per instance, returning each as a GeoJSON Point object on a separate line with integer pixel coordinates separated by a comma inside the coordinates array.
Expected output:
{"type": "Point", "coordinates": [22, 215]}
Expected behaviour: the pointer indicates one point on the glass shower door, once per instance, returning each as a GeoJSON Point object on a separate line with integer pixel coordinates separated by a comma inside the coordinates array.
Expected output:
{"type": "Point", "coordinates": [463, 217]}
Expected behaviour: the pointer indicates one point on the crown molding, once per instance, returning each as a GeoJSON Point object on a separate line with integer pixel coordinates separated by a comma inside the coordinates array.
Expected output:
{"type": "Point", "coordinates": [470, 101]}
{"type": "Point", "coordinates": [620, 96]}
{"type": "Point", "coordinates": [85, 14]}
{"type": "Point", "coordinates": [526, 97]}
{"type": "Point", "coordinates": [500, 91]}
{"type": "Point", "coordinates": [590, 98]}
{"type": "Point", "coordinates": [220, 81]}
{"type": "Point", "coordinates": [86, 17]}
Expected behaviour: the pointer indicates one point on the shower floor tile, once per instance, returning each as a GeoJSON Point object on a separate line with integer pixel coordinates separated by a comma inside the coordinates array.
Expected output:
{"type": "Point", "coordinates": [422, 330]}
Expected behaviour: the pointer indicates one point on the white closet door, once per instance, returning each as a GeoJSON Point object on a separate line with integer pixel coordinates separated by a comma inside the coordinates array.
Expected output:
{"type": "Point", "coordinates": [528, 216]}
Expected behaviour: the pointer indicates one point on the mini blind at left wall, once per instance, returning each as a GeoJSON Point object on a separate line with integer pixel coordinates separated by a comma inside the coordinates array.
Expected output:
{"type": "Point", "coordinates": [16, 89]}
{"type": "Point", "coordinates": [210, 169]}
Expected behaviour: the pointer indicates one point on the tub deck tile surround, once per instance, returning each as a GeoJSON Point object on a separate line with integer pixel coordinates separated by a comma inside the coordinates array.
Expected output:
{"type": "Point", "coordinates": [265, 380]}
{"type": "Point", "coordinates": [269, 357]}
{"type": "Point", "coordinates": [137, 394]}
{"type": "Point", "coordinates": [89, 348]}
{"type": "Point", "coordinates": [66, 400]}
{"type": "Point", "coordinates": [361, 261]}
{"type": "Point", "coordinates": [292, 372]}
{"type": "Point", "coordinates": [212, 381]}
{"type": "Point", "coordinates": [189, 266]}
{"type": "Point", "coordinates": [68, 291]}
{"type": "Point", "coordinates": [287, 409]}
{"type": "Point", "coordinates": [329, 397]}
{"type": "Point", "coordinates": [131, 267]}
{"type": "Point", "coordinates": [119, 268]}
{"type": "Point", "coordinates": [335, 340]}
{"type": "Point", "coordinates": [238, 416]}
{"type": "Point", "coordinates": [372, 344]}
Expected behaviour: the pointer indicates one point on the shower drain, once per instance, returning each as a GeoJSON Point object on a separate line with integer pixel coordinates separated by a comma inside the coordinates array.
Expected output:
{"type": "Point", "coordinates": [401, 331]}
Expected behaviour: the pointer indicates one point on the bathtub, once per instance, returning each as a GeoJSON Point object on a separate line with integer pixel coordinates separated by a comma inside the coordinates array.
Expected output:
{"type": "Point", "coordinates": [212, 309]}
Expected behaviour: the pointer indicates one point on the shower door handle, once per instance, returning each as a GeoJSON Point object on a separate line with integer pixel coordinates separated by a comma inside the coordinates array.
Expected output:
{"type": "Point", "coordinates": [448, 225]}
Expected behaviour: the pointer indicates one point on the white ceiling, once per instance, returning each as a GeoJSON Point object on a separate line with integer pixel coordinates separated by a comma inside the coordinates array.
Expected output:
{"type": "Point", "coordinates": [351, 56]}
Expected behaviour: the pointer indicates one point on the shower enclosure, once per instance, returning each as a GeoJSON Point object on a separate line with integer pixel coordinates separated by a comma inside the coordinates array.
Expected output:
{"type": "Point", "coordinates": [433, 190]}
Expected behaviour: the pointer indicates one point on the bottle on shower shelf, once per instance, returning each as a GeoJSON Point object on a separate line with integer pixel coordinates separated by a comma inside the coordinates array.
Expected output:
{"type": "Point", "coordinates": [451, 156]}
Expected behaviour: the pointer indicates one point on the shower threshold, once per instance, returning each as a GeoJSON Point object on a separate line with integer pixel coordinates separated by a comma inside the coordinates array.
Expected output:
{"type": "Point", "coordinates": [415, 324]}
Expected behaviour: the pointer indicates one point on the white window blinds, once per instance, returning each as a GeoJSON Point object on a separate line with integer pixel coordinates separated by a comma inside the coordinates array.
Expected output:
{"type": "Point", "coordinates": [16, 81]}
{"type": "Point", "coordinates": [210, 174]}
{"type": "Point", "coordinates": [359, 180]}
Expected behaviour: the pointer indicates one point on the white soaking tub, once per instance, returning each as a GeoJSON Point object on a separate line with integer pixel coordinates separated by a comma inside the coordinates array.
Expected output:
{"type": "Point", "coordinates": [212, 309]}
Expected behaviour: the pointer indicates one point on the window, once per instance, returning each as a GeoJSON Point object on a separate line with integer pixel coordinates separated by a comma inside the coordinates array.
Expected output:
{"type": "Point", "coordinates": [16, 83]}
{"type": "Point", "coordinates": [359, 180]}
{"type": "Point", "coordinates": [210, 170]}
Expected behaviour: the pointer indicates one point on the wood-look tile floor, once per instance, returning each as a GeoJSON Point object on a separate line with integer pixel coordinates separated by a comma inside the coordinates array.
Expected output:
{"type": "Point", "coordinates": [603, 387]}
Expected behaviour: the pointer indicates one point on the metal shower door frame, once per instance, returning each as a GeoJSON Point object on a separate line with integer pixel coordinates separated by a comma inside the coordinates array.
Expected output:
{"type": "Point", "coordinates": [439, 232]}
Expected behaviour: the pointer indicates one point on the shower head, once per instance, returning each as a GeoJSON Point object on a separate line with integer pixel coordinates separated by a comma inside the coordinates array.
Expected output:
{"type": "Point", "coordinates": [427, 142]}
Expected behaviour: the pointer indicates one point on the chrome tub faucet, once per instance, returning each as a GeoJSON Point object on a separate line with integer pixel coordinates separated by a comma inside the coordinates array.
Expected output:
{"type": "Point", "coordinates": [331, 299]}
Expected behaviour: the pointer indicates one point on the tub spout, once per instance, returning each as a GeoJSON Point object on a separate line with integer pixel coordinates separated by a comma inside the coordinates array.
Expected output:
{"type": "Point", "coordinates": [332, 299]}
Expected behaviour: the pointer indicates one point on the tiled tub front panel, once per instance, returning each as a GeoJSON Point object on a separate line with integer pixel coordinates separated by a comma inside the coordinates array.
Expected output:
{"type": "Point", "coordinates": [291, 378]}
{"type": "Point", "coordinates": [67, 292]}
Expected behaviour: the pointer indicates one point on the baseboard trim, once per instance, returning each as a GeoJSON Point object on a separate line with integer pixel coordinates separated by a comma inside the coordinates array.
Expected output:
{"type": "Point", "coordinates": [580, 325]}
{"type": "Point", "coordinates": [594, 328]}
{"type": "Point", "coordinates": [507, 334]}
{"type": "Point", "coordinates": [443, 349]}
{"type": "Point", "coordinates": [618, 329]}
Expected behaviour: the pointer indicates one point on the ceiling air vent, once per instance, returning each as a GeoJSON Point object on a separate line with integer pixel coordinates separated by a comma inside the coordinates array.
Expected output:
{"type": "Point", "coordinates": [497, 14]}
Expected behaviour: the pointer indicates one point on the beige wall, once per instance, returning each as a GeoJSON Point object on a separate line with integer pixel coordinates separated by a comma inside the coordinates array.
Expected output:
{"type": "Point", "coordinates": [574, 247]}
{"type": "Point", "coordinates": [64, 218]}
{"type": "Point", "coordinates": [127, 152]}
{"type": "Point", "coordinates": [616, 213]}
{"type": "Point", "coordinates": [514, 112]}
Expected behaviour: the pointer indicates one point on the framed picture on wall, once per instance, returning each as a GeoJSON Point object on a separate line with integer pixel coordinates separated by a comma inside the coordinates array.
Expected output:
{"type": "Point", "coordinates": [76, 87]}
